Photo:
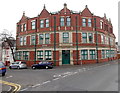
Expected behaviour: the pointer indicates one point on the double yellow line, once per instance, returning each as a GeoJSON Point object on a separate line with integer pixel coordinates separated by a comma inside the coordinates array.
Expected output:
{"type": "Point", "coordinates": [16, 86]}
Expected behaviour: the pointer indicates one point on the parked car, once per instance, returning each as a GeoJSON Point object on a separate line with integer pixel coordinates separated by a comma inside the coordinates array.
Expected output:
{"type": "Point", "coordinates": [2, 69]}
{"type": "Point", "coordinates": [18, 65]}
{"type": "Point", "coordinates": [43, 64]}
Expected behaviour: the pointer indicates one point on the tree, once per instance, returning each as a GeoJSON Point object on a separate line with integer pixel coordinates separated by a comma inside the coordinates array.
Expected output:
{"type": "Point", "coordinates": [7, 38]}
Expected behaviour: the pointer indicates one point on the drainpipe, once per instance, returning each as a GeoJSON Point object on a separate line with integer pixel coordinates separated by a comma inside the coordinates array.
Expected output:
{"type": "Point", "coordinates": [35, 43]}
{"type": "Point", "coordinates": [109, 45]}
{"type": "Point", "coordinates": [76, 40]}
{"type": "Point", "coordinates": [54, 54]}
{"type": "Point", "coordinates": [96, 40]}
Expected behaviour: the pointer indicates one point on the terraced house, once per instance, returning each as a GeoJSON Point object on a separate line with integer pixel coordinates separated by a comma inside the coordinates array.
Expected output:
{"type": "Point", "coordinates": [65, 37]}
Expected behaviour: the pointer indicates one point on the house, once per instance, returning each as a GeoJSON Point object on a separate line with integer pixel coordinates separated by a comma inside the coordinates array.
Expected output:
{"type": "Point", "coordinates": [7, 56]}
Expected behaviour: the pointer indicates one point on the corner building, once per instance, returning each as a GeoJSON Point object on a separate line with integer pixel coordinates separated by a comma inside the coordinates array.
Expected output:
{"type": "Point", "coordinates": [65, 37]}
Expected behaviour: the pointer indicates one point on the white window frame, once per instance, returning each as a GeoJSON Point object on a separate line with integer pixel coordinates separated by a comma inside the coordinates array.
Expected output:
{"type": "Point", "coordinates": [83, 22]}
{"type": "Point", "coordinates": [33, 43]}
{"type": "Point", "coordinates": [41, 23]}
{"type": "Point", "coordinates": [68, 21]}
{"type": "Point", "coordinates": [21, 41]}
{"type": "Point", "coordinates": [62, 21]}
{"type": "Point", "coordinates": [33, 24]}
{"type": "Point", "coordinates": [47, 23]}
{"type": "Point", "coordinates": [89, 22]}
{"type": "Point", "coordinates": [21, 27]}
{"type": "Point", "coordinates": [24, 40]}
{"type": "Point", "coordinates": [101, 24]}
{"type": "Point", "coordinates": [24, 27]}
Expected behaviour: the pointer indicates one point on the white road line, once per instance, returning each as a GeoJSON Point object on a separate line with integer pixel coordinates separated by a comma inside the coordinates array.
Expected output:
{"type": "Point", "coordinates": [56, 75]}
{"type": "Point", "coordinates": [66, 73]}
{"type": "Point", "coordinates": [36, 85]}
{"type": "Point", "coordinates": [80, 70]}
{"type": "Point", "coordinates": [75, 72]}
{"type": "Point", "coordinates": [10, 88]}
{"type": "Point", "coordinates": [84, 69]}
{"type": "Point", "coordinates": [89, 68]}
{"type": "Point", "coordinates": [102, 65]}
{"type": "Point", "coordinates": [24, 89]}
{"type": "Point", "coordinates": [65, 76]}
{"type": "Point", "coordinates": [56, 79]}
{"type": "Point", "coordinates": [9, 76]}
{"type": "Point", "coordinates": [46, 82]}
{"type": "Point", "coordinates": [70, 74]}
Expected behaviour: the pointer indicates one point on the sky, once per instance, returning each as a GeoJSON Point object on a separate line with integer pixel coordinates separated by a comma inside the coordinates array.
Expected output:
{"type": "Point", "coordinates": [11, 11]}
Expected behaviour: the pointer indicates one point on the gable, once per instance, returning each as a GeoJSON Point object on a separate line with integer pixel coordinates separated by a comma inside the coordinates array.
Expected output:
{"type": "Point", "coordinates": [24, 18]}
{"type": "Point", "coordinates": [86, 12]}
{"type": "Point", "coordinates": [44, 13]}
{"type": "Point", "coordinates": [65, 11]}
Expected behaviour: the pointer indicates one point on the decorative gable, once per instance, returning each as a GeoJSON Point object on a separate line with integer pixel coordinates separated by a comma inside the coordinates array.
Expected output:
{"type": "Point", "coordinates": [65, 10]}
{"type": "Point", "coordinates": [44, 13]}
{"type": "Point", "coordinates": [24, 18]}
{"type": "Point", "coordinates": [86, 12]}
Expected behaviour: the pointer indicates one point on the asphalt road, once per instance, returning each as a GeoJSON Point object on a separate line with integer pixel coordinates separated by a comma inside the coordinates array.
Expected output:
{"type": "Point", "coordinates": [94, 77]}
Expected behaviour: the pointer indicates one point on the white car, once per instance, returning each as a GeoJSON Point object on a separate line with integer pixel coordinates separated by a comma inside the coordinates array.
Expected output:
{"type": "Point", "coordinates": [18, 65]}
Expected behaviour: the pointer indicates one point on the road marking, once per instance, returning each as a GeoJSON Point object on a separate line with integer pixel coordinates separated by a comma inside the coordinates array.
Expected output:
{"type": "Point", "coordinates": [88, 68]}
{"type": "Point", "coordinates": [80, 70]}
{"type": "Point", "coordinates": [10, 88]}
{"type": "Point", "coordinates": [9, 76]}
{"type": "Point", "coordinates": [24, 89]}
{"type": "Point", "coordinates": [16, 86]}
{"type": "Point", "coordinates": [46, 82]}
{"type": "Point", "coordinates": [36, 85]}
{"type": "Point", "coordinates": [84, 69]}
{"type": "Point", "coordinates": [56, 79]}
{"type": "Point", "coordinates": [65, 76]}
{"type": "Point", "coordinates": [75, 72]}
{"type": "Point", "coordinates": [101, 65]}
{"type": "Point", "coordinates": [56, 75]}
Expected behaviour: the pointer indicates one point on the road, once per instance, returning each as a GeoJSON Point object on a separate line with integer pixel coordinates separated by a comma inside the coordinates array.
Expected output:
{"type": "Point", "coordinates": [94, 77]}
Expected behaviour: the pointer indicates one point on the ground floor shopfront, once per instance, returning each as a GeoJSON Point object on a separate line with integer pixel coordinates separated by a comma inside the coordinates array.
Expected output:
{"type": "Point", "coordinates": [63, 56]}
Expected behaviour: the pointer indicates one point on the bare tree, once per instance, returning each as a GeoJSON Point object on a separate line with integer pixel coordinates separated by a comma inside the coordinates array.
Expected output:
{"type": "Point", "coordinates": [7, 37]}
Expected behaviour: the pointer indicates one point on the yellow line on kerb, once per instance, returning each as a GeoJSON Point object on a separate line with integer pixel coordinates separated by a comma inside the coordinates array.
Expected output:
{"type": "Point", "coordinates": [17, 86]}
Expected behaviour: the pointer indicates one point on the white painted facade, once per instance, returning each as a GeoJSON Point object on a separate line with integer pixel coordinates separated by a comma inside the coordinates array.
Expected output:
{"type": "Point", "coordinates": [7, 55]}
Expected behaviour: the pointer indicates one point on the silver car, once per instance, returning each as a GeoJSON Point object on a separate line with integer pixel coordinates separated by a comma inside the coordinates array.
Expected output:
{"type": "Point", "coordinates": [18, 65]}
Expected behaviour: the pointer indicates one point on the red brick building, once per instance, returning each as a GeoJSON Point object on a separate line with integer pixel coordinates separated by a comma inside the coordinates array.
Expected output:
{"type": "Point", "coordinates": [65, 37]}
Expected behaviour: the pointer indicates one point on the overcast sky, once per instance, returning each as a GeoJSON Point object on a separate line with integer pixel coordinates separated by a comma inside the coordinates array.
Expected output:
{"type": "Point", "coordinates": [11, 10]}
